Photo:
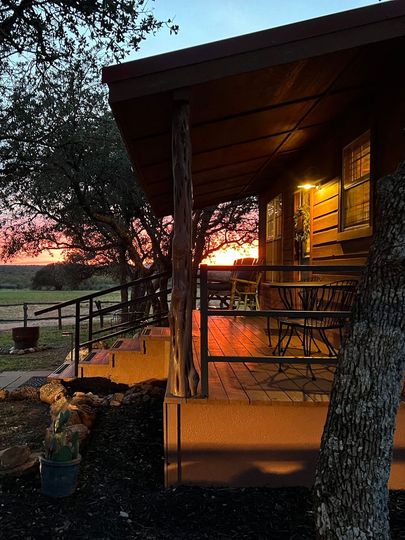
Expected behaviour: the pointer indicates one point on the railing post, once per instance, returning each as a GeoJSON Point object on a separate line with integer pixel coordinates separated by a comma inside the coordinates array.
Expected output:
{"type": "Point", "coordinates": [90, 321]}
{"type": "Point", "coordinates": [204, 329]}
{"type": "Point", "coordinates": [77, 338]}
{"type": "Point", "coordinates": [25, 309]}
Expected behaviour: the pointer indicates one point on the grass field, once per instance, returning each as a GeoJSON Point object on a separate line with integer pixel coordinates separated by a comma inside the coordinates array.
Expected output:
{"type": "Point", "coordinates": [18, 296]}
{"type": "Point", "coordinates": [50, 335]}
{"type": "Point", "coordinates": [11, 305]}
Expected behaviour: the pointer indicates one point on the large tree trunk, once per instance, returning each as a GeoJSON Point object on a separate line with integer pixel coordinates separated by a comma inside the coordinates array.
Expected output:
{"type": "Point", "coordinates": [351, 492]}
{"type": "Point", "coordinates": [183, 378]}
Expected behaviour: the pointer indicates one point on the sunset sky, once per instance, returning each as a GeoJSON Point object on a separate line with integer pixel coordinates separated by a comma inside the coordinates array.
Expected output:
{"type": "Point", "coordinates": [202, 21]}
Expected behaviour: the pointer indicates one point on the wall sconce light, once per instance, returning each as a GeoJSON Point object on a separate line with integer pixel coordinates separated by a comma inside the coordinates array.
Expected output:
{"type": "Point", "coordinates": [308, 186]}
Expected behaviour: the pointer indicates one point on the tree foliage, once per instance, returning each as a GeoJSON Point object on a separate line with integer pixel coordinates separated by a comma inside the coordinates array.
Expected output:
{"type": "Point", "coordinates": [67, 182]}
{"type": "Point", "coordinates": [60, 276]}
{"type": "Point", "coordinates": [51, 30]}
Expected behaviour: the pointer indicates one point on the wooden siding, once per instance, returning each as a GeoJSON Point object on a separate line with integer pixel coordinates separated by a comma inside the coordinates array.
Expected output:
{"type": "Point", "coordinates": [326, 246]}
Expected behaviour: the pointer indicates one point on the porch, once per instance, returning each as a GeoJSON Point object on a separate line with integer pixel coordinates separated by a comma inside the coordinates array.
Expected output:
{"type": "Point", "coordinates": [257, 426]}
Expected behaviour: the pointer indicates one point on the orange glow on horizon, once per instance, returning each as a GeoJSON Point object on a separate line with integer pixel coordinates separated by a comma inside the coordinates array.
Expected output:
{"type": "Point", "coordinates": [228, 255]}
{"type": "Point", "coordinates": [43, 258]}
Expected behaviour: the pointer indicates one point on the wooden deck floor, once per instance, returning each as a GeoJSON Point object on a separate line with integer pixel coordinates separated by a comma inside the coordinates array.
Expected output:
{"type": "Point", "coordinates": [253, 382]}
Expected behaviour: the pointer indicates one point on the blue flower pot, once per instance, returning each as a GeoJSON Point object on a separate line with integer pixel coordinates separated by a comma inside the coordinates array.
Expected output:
{"type": "Point", "coordinates": [59, 478]}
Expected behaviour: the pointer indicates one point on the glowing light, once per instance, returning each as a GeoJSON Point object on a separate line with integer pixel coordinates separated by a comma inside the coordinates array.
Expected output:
{"type": "Point", "coordinates": [307, 186]}
{"type": "Point", "coordinates": [228, 255]}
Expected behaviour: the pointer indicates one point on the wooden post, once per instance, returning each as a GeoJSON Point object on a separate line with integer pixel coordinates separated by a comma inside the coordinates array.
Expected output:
{"type": "Point", "coordinates": [59, 319]}
{"type": "Point", "coordinates": [183, 378]}
{"type": "Point", "coordinates": [25, 309]}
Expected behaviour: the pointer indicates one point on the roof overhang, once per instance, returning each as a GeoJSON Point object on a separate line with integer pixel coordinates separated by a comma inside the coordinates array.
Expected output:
{"type": "Point", "coordinates": [256, 100]}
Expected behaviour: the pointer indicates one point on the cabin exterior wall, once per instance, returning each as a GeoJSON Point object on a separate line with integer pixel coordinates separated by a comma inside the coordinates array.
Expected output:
{"type": "Point", "coordinates": [383, 113]}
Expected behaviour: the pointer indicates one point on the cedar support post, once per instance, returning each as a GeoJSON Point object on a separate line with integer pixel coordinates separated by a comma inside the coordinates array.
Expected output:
{"type": "Point", "coordinates": [183, 378]}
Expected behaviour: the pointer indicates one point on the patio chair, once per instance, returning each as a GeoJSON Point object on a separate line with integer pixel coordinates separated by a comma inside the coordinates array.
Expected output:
{"type": "Point", "coordinates": [335, 296]}
{"type": "Point", "coordinates": [245, 285]}
{"type": "Point", "coordinates": [219, 288]}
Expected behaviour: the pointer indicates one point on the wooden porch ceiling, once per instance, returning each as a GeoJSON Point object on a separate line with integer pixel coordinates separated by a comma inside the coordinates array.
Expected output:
{"type": "Point", "coordinates": [256, 101]}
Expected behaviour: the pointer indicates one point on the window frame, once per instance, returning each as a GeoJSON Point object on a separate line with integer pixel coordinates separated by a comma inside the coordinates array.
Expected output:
{"type": "Point", "coordinates": [361, 230]}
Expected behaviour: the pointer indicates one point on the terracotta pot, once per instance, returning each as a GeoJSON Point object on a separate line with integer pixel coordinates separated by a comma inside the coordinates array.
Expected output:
{"type": "Point", "coordinates": [25, 337]}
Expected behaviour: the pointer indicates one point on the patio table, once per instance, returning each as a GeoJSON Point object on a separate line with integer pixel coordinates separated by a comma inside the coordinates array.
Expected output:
{"type": "Point", "coordinates": [308, 292]}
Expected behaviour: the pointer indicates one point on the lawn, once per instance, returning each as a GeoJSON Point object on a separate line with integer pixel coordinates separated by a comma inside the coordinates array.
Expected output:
{"type": "Point", "coordinates": [19, 296]}
{"type": "Point", "coordinates": [48, 359]}
{"type": "Point", "coordinates": [11, 306]}
{"type": "Point", "coordinates": [50, 335]}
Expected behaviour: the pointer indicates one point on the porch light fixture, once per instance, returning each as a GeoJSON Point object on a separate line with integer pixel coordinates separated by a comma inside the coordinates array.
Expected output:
{"type": "Point", "coordinates": [307, 186]}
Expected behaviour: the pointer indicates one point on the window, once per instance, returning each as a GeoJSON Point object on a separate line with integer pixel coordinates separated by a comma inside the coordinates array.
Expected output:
{"type": "Point", "coordinates": [355, 189]}
{"type": "Point", "coordinates": [274, 245]}
{"type": "Point", "coordinates": [273, 220]}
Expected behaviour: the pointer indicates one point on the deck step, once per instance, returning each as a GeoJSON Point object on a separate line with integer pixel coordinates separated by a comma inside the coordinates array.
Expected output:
{"type": "Point", "coordinates": [156, 332]}
{"type": "Point", "coordinates": [98, 357]}
{"type": "Point", "coordinates": [65, 371]}
{"type": "Point", "coordinates": [133, 345]}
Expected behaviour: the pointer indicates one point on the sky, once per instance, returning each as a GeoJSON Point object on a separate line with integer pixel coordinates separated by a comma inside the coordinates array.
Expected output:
{"type": "Point", "coordinates": [203, 21]}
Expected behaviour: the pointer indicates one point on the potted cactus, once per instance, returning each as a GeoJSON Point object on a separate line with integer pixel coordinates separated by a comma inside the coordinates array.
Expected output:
{"type": "Point", "coordinates": [59, 466]}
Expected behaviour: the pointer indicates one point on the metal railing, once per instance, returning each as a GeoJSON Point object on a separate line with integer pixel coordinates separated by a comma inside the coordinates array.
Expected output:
{"type": "Point", "coordinates": [131, 320]}
{"type": "Point", "coordinates": [205, 313]}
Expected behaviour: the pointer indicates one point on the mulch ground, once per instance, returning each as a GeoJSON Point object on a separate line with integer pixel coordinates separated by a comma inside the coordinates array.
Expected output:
{"type": "Point", "coordinates": [120, 493]}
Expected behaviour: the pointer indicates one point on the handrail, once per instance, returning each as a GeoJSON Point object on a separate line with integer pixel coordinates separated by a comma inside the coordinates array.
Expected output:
{"type": "Point", "coordinates": [150, 320]}
{"type": "Point", "coordinates": [138, 322]}
{"type": "Point", "coordinates": [127, 303]}
{"type": "Point", "coordinates": [206, 312]}
{"type": "Point", "coordinates": [284, 267]}
{"type": "Point", "coordinates": [102, 293]}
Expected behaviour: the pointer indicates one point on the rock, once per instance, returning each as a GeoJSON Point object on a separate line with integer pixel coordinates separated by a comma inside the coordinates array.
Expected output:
{"type": "Point", "coordinates": [83, 352]}
{"type": "Point", "coordinates": [119, 396]}
{"type": "Point", "coordinates": [100, 345]}
{"type": "Point", "coordinates": [86, 413]}
{"type": "Point", "coordinates": [80, 429]}
{"type": "Point", "coordinates": [14, 456]}
{"type": "Point", "coordinates": [115, 403]}
{"type": "Point", "coordinates": [74, 419]}
{"type": "Point", "coordinates": [3, 394]}
{"type": "Point", "coordinates": [80, 400]}
{"type": "Point", "coordinates": [58, 406]}
{"type": "Point", "coordinates": [30, 466]}
{"type": "Point", "coordinates": [25, 392]}
{"type": "Point", "coordinates": [51, 392]}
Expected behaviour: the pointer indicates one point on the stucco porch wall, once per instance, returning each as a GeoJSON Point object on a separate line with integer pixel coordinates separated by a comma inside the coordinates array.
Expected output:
{"type": "Point", "coordinates": [236, 444]}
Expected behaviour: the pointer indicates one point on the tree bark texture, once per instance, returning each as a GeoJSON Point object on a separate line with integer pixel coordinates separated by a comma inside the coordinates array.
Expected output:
{"type": "Point", "coordinates": [351, 493]}
{"type": "Point", "coordinates": [183, 378]}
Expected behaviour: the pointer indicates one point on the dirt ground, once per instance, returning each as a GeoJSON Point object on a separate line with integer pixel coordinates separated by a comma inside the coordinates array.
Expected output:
{"type": "Point", "coordinates": [121, 496]}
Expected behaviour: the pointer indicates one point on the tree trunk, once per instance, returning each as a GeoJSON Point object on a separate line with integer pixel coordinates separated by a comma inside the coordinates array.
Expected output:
{"type": "Point", "coordinates": [183, 378]}
{"type": "Point", "coordinates": [351, 493]}
{"type": "Point", "coordinates": [123, 272]}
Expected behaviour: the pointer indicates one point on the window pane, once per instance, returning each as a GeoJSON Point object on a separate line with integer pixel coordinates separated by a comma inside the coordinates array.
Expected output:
{"type": "Point", "coordinates": [357, 161]}
{"type": "Point", "coordinates": [274, 218]}
{"type": "Point", "coordinates": [357, 204]}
